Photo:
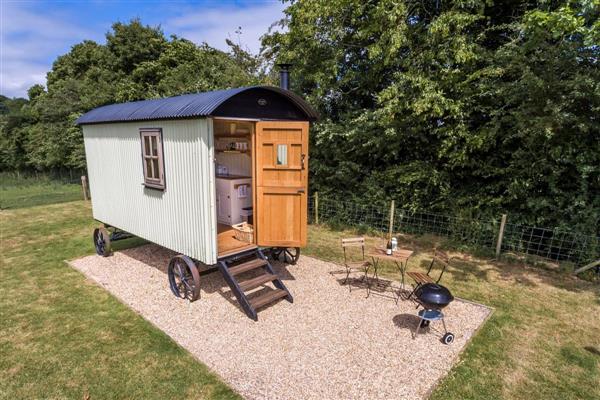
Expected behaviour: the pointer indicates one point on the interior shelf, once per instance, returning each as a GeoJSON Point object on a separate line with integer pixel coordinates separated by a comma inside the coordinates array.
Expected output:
{"type": "Point", "coordinates": [233, 151]}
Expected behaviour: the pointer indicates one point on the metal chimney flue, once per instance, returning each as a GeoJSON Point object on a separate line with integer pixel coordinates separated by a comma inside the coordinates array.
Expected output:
{"type": "Point", "coordinates": [284, 75]}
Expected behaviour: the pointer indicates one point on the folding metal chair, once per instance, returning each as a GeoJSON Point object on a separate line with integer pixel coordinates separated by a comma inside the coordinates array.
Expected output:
{"type": "Point", "coordinates": [420, 278]}
{"type": "Point", "coordinates": [352, 266]}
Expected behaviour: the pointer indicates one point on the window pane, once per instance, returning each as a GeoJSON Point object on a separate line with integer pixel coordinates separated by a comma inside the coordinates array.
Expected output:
{"type": "Point", "coordinates": [282, 154]}
{"type": "Point", "coordinates": [147, 145]}
{"type": "Point", "coordinates": [154, 141]}
{"type": "Point", "coordinates": [148, 168]}
{"type": "Point", "coordinates": [156, 171]}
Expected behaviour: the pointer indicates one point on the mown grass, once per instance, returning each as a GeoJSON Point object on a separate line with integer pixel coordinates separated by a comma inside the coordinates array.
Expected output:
{"type": "Point", "coordinates": [64, 337]}
{"type": "Point", "coordinates": [21, 192]}
{"type": "Point", "coordinates": [541, 342]}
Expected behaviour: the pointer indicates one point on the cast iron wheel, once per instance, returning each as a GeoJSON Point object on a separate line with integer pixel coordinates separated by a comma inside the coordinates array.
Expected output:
{"type": "Point", "coordinates": [184, 278]}
{"type": "Point", "coordinates": [424, 323]}
{"type": "Point", "coordinates": [274, 253]}
{"type": "Point", "coordinates": [290, 254]}
{"type": "Point", "coordinates": [102, 242]}
{"type": "Point", "coordinates": [448, 338]}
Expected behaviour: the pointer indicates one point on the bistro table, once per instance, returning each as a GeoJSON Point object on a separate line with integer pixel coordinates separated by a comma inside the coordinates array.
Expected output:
{"type": "Point", "coordinates": [399, 257]}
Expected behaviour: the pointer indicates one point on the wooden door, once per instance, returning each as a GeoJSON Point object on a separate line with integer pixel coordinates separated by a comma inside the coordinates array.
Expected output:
{"type": "Point", "coordinates": [281, 183]}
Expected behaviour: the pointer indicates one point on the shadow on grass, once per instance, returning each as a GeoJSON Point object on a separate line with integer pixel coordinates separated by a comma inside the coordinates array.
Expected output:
{"type": "Point", "coordinates": [593, 350]}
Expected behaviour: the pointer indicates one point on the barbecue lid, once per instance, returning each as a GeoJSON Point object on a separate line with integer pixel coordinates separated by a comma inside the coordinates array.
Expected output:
{"type": "Point", "coordinates": [433, 293]}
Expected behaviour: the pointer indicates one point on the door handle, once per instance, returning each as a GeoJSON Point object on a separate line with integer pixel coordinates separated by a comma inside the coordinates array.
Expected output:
{"type": "Point", "coordinates": [302, 157]}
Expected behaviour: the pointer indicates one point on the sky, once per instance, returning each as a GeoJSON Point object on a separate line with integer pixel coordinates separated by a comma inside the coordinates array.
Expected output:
{"type": "Point", "coordinates": [33, 33]}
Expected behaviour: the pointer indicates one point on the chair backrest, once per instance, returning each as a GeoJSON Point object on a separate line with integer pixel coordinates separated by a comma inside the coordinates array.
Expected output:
{"type": "Point", "coordinates": [441, 258]}
{"type": "Point", "coordinates": [353, 242]}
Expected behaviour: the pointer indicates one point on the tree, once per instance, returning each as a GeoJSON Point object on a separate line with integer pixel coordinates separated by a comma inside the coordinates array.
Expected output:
{"type": "Point", "coordinates": [137, 62]}
{"type": "Point", "coordinates": [478, 107]}
{"type": "Point", "coordinates": [134, 43]}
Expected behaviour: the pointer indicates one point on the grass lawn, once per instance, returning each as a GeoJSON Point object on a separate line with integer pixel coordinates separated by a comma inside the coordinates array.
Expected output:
{"type": "Point", "coordinates": [34, 191]}
{"type": "Point", "coordinates": [64, 337]}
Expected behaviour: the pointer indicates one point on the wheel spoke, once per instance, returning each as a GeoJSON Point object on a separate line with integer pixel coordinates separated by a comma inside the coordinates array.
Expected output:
{"type": "Point", "coordinates": [187, 285]}
{"type": "Point", "coordinates": [179, 271]}
{"type": "Point", "coordinates": [181, 290]}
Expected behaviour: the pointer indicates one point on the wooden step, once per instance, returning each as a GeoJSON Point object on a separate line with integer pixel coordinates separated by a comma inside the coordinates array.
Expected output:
{"type": "Point", "coordinates": [267, 298]}
{"type": "Point", "coordinates": [247, 266]}
{"type": "Point", "coordinates": [256, 282]}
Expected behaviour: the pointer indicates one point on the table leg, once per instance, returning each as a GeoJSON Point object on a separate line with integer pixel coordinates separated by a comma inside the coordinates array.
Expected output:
{"type": "Point", "coordinates": [401, 269]}
{"type": "Point", "coordinates": [366, 276]}
{"type": "Point", "coordinates": [375, 274]}
{"type": "Point", "coordinates": [403, 272]}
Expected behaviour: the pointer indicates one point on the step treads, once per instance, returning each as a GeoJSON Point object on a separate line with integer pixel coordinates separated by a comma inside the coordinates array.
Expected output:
{"type": "Point", "coordinates": [247, 266]}
{"type": "Point", "coordinates": [267, 298]}
{"type": "Point", "coordinates": [257, 281]}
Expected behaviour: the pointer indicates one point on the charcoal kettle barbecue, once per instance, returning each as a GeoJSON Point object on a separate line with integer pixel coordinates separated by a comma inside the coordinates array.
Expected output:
{"type": "Point", "coordinates": [433, 298]}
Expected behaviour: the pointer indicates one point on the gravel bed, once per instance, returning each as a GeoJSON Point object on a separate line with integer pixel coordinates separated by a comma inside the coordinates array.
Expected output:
{"type": "Point", "coordinates": [329, 344]}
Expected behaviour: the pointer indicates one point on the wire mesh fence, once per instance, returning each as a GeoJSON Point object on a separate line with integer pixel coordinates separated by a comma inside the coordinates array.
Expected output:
{"type": "Point", "coordinates": [27, 189]}
{"type": "Point", "coordinates": [551, 244]}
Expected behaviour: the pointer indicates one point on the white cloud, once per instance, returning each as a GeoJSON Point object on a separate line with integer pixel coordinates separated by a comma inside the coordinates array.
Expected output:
{"type": "Point", "coordinates": [32, 38]}
{"type": "Point", "coordinates": [29, 42]}
{"type": "Point", "coordinates": [214, 24]}
{"type": "Point", "coordinates": [18, 76]}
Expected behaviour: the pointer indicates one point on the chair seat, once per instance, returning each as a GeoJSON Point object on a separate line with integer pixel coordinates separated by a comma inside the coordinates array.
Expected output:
{"type": "Point", "coordinates": [420, 277]}
{"type": "Point", "coordinates": [358, 264]}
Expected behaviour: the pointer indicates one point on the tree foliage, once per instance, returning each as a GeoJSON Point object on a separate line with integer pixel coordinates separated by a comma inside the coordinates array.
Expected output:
{"type": "Point", "coordinates": [466, 106]}
{"type": "Point", "coordinates": [137, 62]}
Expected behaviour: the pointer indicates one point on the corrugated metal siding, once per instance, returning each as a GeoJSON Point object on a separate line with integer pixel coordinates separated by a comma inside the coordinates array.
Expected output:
{"type": "Point", "coordinates": [183, 217]}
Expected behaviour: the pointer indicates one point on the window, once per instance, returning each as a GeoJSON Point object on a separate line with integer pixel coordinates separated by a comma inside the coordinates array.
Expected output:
{"type": "Point", "coordinates": [281, 154]}
{"type": "Point", "coordinates": [152, 158]}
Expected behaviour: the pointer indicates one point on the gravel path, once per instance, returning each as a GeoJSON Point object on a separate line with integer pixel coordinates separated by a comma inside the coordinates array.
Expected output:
{"type": "Point", "coordinates": [329, 344]}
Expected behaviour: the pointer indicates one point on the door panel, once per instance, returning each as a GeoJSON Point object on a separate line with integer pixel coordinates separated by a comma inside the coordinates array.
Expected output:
{"type": "Point", "coordinates": [281, 179]}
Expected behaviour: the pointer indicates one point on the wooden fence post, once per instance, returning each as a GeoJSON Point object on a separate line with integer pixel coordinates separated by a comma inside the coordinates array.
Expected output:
{"type": "Point", "coordinates": [500, 235]}
{"type": "Point", "coordinates": [317, 208]}
{"type": "Point", "coordinates": [391, 220]}
{"type": "Point", "coordinates": [84, 186]}
{"type": "Point", "coordinates": [586, 267]}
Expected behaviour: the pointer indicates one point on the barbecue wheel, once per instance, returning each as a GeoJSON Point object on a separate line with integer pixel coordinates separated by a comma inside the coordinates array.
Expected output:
{"type": "Point", "coordinates": [448, 338]}
{"type": "Point", "coordinates": [424, 323]}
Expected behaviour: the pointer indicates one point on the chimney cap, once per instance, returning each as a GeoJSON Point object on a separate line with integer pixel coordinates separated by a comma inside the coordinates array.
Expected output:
{"type": "Point", "coordinates": [284, 66]}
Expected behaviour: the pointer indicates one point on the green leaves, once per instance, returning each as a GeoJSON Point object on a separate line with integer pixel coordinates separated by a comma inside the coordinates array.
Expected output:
{"type": "Point", "coordinates": [137, 62]}
{"type": "Point", "coordinates": [452, 105]}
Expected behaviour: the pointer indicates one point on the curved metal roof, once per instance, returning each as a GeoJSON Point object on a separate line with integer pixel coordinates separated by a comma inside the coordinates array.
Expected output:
{"type": "Point", "coordinates": [184, 106]}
